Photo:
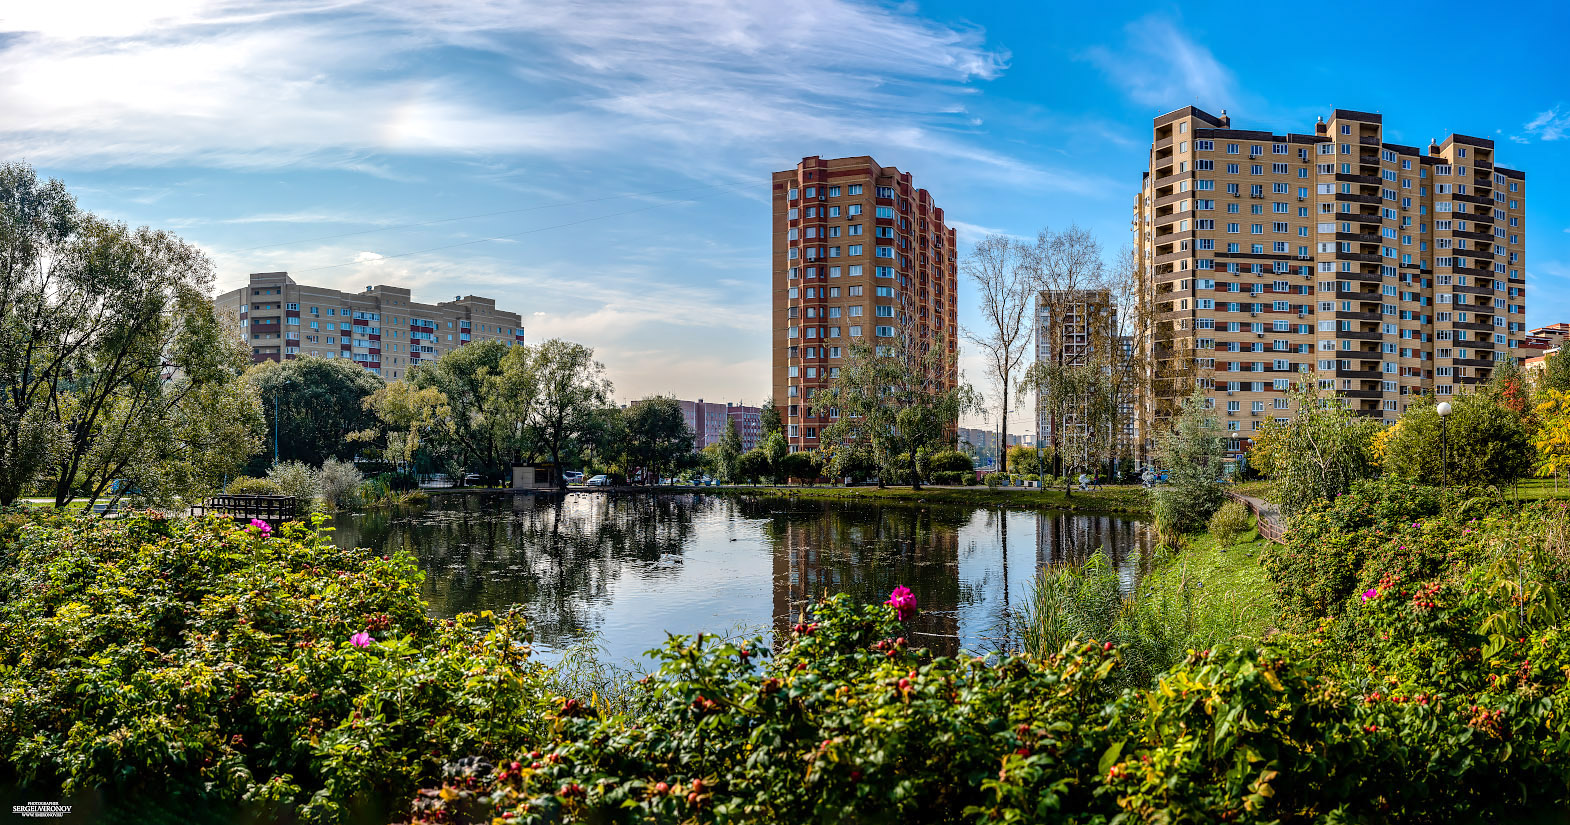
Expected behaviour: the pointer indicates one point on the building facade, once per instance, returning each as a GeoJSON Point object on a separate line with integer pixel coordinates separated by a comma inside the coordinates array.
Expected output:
{"type": "Point", "coordinates": [381, 329]}
{"type": "Point", "coordinates": [1376, 269]}
{"type": "Point", "coordinates": [749, 424]}
{"type": "Point", "coordinates": [861, 256]}
{"type": "Point", "coordinates": [706, 420]}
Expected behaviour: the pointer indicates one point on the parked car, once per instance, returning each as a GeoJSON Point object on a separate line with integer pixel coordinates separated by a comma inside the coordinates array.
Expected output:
{"type": "Point", "coordinates": [572, 476]}
{"type": "Point", "coordinates": [600, 481]}
{"type": "Point", "coordinates": [472, 479]}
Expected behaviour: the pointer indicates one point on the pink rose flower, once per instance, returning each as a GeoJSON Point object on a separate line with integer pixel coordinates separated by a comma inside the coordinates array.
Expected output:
{"type": "Point", "coordinates": [902, 600]}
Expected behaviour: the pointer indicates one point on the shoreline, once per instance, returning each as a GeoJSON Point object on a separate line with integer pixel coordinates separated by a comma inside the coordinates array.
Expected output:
{"type": "Point", "coordinates": [1119, 499]}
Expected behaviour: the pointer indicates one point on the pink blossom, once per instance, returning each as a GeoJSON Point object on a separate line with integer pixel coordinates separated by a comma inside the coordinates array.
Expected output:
{"type": "Point", "coordinates": [1370, 593]}
{"type": "Point", "coordinates": [262, 526]}
{"type": "Point", "coordinates": [902, 600]}
{"type": "Point", "coordinates": [361, 639]}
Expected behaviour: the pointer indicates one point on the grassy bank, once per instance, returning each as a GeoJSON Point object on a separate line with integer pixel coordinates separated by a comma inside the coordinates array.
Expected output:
{"type": "Point", "coordinates": [1123, 499]}
{"type": "Point", "coordinates": [1231, 599]}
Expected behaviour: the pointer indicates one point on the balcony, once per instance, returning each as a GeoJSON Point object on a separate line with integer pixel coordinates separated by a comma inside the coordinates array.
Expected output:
{"type": "Point", "coordinates": [1358, 335]}
{"type": "Point", "coordinates": [1473, 362]}
{"type": "Point", "coordinates": [1342, 196]}
{"type": "Point", "coordinates": [1366, 375]}
{"type": "Point", "coordinates": [1368, 179]}
{"type": "Point", "coordinates": [1359, 237]}
{"type": "Point", "coordinates": [1357, 316]}
{"type": "Point", "coordinates": [1488, 328]}
{"type": "Point", "coordinates": [1359, 256]}
{"type": "Point", "coordinates": [1474, 290]}
{"type": "Point", "coordinates": [1362, 394]}
{"type": "Point", "coordinates": [1489, 202]}
{"type": "Point", "coordinates": [1360, 217]}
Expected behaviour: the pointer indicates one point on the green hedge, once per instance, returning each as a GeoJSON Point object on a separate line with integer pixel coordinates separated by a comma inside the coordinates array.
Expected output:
{"type": "Point", "coordinates": [200, 667]}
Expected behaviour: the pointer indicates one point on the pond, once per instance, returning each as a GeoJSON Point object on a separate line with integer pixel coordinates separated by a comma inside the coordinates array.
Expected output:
{"type": "Point", "coordinates": [627, 569]}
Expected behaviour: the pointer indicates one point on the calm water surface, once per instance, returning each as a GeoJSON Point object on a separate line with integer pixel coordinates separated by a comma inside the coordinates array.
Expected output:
{"type": "Point", "coordinates": [627, 569]}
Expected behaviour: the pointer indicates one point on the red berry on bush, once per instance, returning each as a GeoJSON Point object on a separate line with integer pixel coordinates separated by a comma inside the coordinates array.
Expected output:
{"type": "Point", "coordinates": [661, 787]}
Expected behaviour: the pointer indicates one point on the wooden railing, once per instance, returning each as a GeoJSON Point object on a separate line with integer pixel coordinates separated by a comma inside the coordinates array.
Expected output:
{"type": "Point", "coordinates": [270, 509]}
{"type": "Point", "coordinates": [1269, 529]}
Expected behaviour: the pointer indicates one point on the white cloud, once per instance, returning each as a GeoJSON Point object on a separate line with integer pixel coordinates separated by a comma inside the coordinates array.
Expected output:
{"type": "Point", "coordinates": [1548, 125]}
{"type": "Point", "coordinates": [1159, 65]}
{"type": "Point", "coordinates": [236, 84]}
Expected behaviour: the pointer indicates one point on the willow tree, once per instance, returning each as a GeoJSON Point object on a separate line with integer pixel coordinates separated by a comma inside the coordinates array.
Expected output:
{"type": "Point", "coordinates": [897, 398]}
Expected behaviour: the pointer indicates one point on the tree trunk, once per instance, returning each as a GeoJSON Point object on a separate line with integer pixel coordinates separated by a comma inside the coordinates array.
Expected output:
{"type": "Point", "coordinates": [915, 479]}
{"type": "Point", "coordinates": [1003, 437]}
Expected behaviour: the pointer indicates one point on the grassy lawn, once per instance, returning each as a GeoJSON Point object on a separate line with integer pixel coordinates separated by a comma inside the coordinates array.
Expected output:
{"type": "Point", "coordinates": [1112, 499]}
{"type": "Point", "coordinates": [1536, 489]}
{"type": "Point", "coordinates": [1232, 599]}
{"type": "Point", "coordinates": [1256, 489]}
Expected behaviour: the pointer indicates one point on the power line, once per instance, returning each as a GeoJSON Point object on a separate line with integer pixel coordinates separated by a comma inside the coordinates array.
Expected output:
{"type": "Point", "coordinates": [493, 214]}
{"type": "Point", "coordinates": [500, 237]}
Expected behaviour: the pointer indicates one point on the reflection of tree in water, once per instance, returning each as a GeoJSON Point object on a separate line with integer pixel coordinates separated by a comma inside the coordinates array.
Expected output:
{"type": "Point", "coordinates": [554, 556]}
{"type": "Point", "coordinates": [830, 547]}
{"type": "Point", "coordinates": [1063, 538]}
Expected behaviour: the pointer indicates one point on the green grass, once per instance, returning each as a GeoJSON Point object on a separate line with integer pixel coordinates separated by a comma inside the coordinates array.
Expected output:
{"type": "Point", "coordinates": [1256, 489]}
{"type": "Point", "coordinates": [1537, 489]}
{"type": "Point", "coordinates": [1113, 499]}
{"type": "Point", "coordinates": [1231, 597]}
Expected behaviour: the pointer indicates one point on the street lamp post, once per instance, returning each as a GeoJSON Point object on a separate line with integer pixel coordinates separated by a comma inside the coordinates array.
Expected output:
{"type": "Point", "coordinates": [1444, 440]}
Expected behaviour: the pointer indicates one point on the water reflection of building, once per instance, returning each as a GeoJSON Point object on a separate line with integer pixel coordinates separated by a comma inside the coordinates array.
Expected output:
{"type": "Point", "coordinates": [1065, 539]}
{"type": "Point", "coordinates": [866, 552]}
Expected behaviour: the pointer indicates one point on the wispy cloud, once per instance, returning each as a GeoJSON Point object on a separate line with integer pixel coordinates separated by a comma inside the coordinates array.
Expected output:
{"type": "Point", "coordinates": [1159, 65]}
{"type": "Point", "coordinates": [251, 84]}
{"type": "Point", "coordinates": [1552, 124]}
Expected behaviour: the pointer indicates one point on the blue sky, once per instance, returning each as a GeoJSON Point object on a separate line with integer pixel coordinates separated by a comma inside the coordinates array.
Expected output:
{"type": "Point", "coordinates": [621, 151]}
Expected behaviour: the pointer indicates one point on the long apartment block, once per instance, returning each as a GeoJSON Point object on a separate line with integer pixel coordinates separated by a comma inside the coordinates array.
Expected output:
{"type": "Point", "coordinates": [1384, 270]}
{"type": "Point", "coordinates": [381, 329]}
{"type": "Point", "coordinates": [860, 256]}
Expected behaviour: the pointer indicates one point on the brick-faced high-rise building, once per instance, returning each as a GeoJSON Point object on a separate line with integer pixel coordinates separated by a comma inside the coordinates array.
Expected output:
{"type": "Point", "coordinates": [860, 256]}
{"type": "Point", "coordinates": [1384, 270]}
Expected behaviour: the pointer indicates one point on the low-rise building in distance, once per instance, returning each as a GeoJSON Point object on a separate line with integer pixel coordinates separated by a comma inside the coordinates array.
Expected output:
{"type": "Point", "coordinates": [382, 329]}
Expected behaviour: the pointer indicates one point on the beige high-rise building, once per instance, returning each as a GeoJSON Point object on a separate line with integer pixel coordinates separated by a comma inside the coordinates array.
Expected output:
{"type": "Point", "coordinates": [1383, 270]}
{"type": "Point", "coordinates": [381, 329]}
{"type": "Point", "coordinates": [860, 256]}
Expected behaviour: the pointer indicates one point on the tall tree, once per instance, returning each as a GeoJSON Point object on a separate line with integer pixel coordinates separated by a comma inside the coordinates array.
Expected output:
{"type": "Point", "coordinates": [1556, 372]}
{"type": "Point", "coordinates": [1003, 283]}
{"type": "Point", "coordinates": [891, 398]}
{"type": "Point", "coordinates": [480, 433]}
{"type": "Point", "coordinates": [569, 386]}
{"type": "Point", "coordinates": [657, 437]}
{"type": "Point", "coordinates": [313, 407]}
{"type": "Point", "coordinates": [769, 418]}
{"type": "Point", "coordinates": [115, 373]}
{"type": "Point", "coordinates": [729, 451]}
{"type": "Point", "coordinates": [408, 415]}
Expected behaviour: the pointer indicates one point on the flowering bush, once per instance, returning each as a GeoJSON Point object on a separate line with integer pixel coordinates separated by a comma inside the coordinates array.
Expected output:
{"type": "Point", "coordinates": [1338, 548]}
{"type": "Point", "coordinates": [851, 723]}
{"type": "Point", "coordinates": [204, 666]}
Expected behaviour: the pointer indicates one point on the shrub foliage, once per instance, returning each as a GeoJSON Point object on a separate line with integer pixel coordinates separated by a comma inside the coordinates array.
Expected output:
{"type": "Point", "coordinates": [196, 664]}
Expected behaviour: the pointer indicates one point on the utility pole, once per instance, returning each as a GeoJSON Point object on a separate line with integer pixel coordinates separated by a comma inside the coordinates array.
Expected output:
{"type": "Point", "coordinates": [275, 429]}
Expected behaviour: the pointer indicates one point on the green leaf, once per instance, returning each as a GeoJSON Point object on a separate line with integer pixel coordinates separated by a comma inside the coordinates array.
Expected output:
{"type": "Point", "coordinates": [1110, 757]}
